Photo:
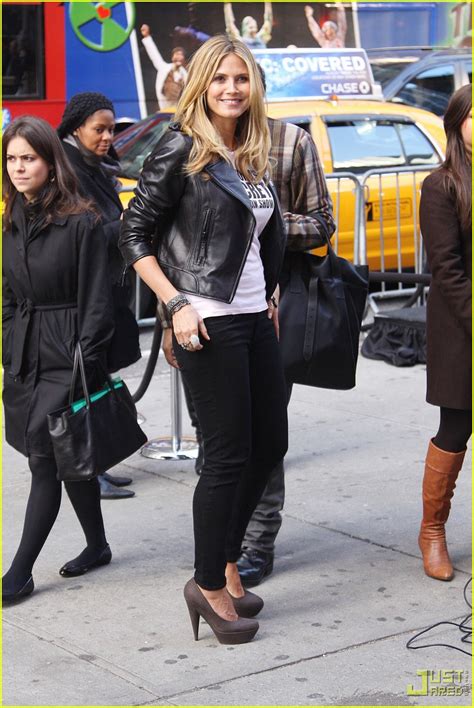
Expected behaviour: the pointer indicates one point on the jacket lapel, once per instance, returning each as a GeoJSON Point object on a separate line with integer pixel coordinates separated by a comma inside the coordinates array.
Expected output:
{"type": "Point", "coordinates": [226, 177]}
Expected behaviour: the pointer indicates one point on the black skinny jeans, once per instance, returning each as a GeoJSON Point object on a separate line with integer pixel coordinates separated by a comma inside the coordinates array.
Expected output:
{"type": "Point", "coordinates": [238, 389]}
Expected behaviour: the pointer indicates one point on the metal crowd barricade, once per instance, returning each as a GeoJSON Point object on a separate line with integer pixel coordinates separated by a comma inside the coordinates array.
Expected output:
{"type": "Point", "coordinates": [339, 177]}
{"type": "Point", "coordinates": [404, 283]}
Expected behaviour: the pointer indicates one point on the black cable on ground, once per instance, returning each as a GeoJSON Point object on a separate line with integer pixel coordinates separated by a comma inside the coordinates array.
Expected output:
{"type": "Point", "coordinates": [151, 364]}
{"type": "Point", "coordinates": [465, 627]}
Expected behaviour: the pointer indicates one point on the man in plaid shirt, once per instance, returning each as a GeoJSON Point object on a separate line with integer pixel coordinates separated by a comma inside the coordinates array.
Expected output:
{"type": "Point", "coordinates": [307, 210]}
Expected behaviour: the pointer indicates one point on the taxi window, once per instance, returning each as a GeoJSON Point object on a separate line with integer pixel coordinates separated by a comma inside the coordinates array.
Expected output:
{"type": "Point", "coordinates": [431, 89]}
{"type": "Point", "coordinates": [468, 69]}
{"type": "Point", "coordinates": [300, 122]}
{"type": "Point", "coordinates": [132, 153]}
{"type": "Point", "coordinates": [418, 149]}
{"type": "Point", "coordinates": [361, 145]}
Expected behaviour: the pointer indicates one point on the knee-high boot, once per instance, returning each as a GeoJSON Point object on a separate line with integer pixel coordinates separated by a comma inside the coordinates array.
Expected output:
{"type": "Point", "coordinates": [441, 471]}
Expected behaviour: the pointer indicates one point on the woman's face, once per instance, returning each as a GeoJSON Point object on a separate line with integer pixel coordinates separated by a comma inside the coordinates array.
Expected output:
{"type": "Point", "coordinates": [228, 95]}
{"type": "Point", "coordinates": [97, 132]}
{"type": "Point", "coordinates": [466, 133]}
{"type": "Point", "coordinates": [27, 170]}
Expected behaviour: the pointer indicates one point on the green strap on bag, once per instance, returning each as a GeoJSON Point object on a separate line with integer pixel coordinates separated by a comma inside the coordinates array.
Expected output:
{"type": "Point", "coordinates": [77, 405]}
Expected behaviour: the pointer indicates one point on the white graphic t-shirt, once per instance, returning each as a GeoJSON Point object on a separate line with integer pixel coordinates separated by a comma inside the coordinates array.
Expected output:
{"type": "Point", "coordinates": [250, 294]}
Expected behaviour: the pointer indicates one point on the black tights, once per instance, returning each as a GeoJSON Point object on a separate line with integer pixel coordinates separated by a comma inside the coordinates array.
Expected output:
{"type": "Point", "coordinates": [41, 512]}
{"type": "Point", "coordinates": [455, 428]}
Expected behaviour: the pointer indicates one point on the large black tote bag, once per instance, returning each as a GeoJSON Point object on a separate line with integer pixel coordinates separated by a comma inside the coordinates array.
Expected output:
{"type": "Point", "coordinates": [92, 435]}
{"type": "Point", "coordinates": [321, 310]}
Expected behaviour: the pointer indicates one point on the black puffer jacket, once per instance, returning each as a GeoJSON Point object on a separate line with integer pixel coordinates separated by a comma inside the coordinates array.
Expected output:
{"type": "Point", "coordinates": [203, 228]}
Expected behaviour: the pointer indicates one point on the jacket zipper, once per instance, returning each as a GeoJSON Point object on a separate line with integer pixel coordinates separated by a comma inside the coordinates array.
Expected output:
{"type": "Point", "coordinates": [204, 237]}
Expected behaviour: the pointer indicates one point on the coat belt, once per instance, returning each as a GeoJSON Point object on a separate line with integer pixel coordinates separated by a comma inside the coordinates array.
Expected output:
{"type": "Point", "coordinates": [25, 308]}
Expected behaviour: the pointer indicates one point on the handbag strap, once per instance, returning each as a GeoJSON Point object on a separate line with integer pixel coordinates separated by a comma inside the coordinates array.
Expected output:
{"type": "Point", "coordinates": [79, 366]}
{"type": "Point", "coordinates": [311, 318]}
{"type": "Point", "coordinates": [334, 259]}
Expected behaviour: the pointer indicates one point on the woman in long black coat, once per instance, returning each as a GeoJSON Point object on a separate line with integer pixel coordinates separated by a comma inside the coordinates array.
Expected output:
{"type": "Point", "coordinates": [446, 222]}
{"type": "Point", "coordinates": [86, 129]}
{"type": "Point", "coordinates": [54, 294]}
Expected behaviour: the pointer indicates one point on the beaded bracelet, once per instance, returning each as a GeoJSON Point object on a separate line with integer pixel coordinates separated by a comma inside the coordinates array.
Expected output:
{"type": "Point", "coordinates": [176, 303]}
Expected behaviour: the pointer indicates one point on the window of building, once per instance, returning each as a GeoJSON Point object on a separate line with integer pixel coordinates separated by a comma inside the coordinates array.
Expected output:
{"type": "Point", "coordinates": [22, 51]}
{"type": "Point", "coordinates": [431, 89]}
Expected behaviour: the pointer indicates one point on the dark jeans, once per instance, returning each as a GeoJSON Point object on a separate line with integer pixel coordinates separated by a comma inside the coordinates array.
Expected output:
{"type": "Point", "coordinates": [266, 520]}
{"type": "Point", "coordinates": [238, 389]}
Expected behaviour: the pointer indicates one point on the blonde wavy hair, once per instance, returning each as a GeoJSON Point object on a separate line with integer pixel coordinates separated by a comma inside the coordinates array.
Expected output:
{"type": "Point", "coordinates": [251, 155]}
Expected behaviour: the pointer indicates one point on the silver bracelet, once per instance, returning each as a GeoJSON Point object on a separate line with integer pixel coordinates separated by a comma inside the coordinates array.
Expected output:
{"type": "Point", "coordinates": [176, 303]}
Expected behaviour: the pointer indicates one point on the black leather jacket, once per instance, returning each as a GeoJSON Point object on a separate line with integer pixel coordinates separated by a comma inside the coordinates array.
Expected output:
{"type": "Point", "coordinates": [199, 230]}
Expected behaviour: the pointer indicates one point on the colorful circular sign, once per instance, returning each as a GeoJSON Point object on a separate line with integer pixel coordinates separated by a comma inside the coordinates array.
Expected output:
{"type": "Point", "coordinates": [90, 19]}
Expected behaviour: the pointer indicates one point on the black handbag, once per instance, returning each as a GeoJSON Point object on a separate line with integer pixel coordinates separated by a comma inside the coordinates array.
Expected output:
{"type": "Point", "coordinates": [321, 309]}
{"type": "Point", "coordinates": [92, 435]}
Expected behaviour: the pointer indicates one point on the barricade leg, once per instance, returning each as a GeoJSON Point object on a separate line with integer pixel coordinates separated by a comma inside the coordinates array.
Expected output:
{"type": "Point", "coordinates": [176, 447]}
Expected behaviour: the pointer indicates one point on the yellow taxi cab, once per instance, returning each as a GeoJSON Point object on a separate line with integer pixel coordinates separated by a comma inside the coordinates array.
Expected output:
{"type": "Point", "coordinates": [357, 136]}
{"type": "Point", "coordinates": [352, 136]}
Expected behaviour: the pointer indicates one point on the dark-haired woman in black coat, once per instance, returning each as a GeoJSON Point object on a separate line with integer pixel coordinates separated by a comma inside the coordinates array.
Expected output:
{"type": "Point", "coordinates": [87, 129]}
{"type": "Point", "coordinates": [54, 294]}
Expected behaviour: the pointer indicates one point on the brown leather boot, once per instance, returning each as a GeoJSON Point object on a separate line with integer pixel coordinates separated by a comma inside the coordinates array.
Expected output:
{"type": "Point", "coordinates": [441, 471]}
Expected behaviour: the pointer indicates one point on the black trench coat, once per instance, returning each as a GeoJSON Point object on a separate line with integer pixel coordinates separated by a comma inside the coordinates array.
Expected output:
{"type": "Point", "coordinates": [55, 292]}
{"type": "Point", "coordinates": [449, 310]}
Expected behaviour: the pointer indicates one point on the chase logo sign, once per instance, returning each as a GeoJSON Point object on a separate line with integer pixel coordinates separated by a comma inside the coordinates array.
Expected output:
{"type": "Point", "coordinates": [316, 73]}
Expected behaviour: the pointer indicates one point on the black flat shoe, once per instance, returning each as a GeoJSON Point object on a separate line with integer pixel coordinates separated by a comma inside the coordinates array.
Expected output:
{"type": "Point", "coordinates": [117, 481]}
{"type": "Point", "coordinates": [254, 566]}
{"type": "Point", "coordinates": [11, 597]}
{"type": "Point", "coordinates": [78, 567]}
{"type": "Point", "coordinates": [109, 491]}
{"type": "Point", "coordinates": [247, 606]}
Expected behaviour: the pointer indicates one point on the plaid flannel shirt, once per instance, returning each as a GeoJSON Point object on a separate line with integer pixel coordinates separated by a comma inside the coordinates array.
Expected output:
{"type": "Point", "coordinates": [298, 176]}
{"type": "Point", "coordinates": [301, 187]}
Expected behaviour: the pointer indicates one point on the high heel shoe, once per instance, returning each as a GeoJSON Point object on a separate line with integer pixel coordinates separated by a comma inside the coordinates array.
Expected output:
{"type": "Point", "coordinates": [78, 566]}
{"type": "Point", "coordinates": [238, 631]}
{"type": "Point", "coordinates": [11, 597]}
{"type": "Point", "coordinates": [247, 606]}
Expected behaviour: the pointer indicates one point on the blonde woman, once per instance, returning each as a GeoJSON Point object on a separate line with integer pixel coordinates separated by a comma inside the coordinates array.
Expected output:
{"type": "Point", "coordinates": [205, 192]}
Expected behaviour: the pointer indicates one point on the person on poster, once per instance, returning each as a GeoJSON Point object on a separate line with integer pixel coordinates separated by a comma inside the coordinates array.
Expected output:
{"type": "Point", "coordinates": [191, 36]}
{"type": "Point", "coordinates": [250, 34]}
{"type": "Point", "coordinates": [331, 35]}
{"type": "Point", "coordinates": [171, 76]}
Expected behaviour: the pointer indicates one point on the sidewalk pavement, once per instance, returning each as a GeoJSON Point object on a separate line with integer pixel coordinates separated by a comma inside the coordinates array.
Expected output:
{"type": "Point", "coordinates": [347, 592]}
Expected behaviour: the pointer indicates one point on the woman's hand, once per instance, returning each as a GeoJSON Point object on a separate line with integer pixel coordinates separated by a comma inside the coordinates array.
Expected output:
{"type": "Point", "coordinates": [167, 346]}
{"type": "Point", "coordinates": [273, 310]}
{"type": "Point", "coordinates": [187, 326]}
